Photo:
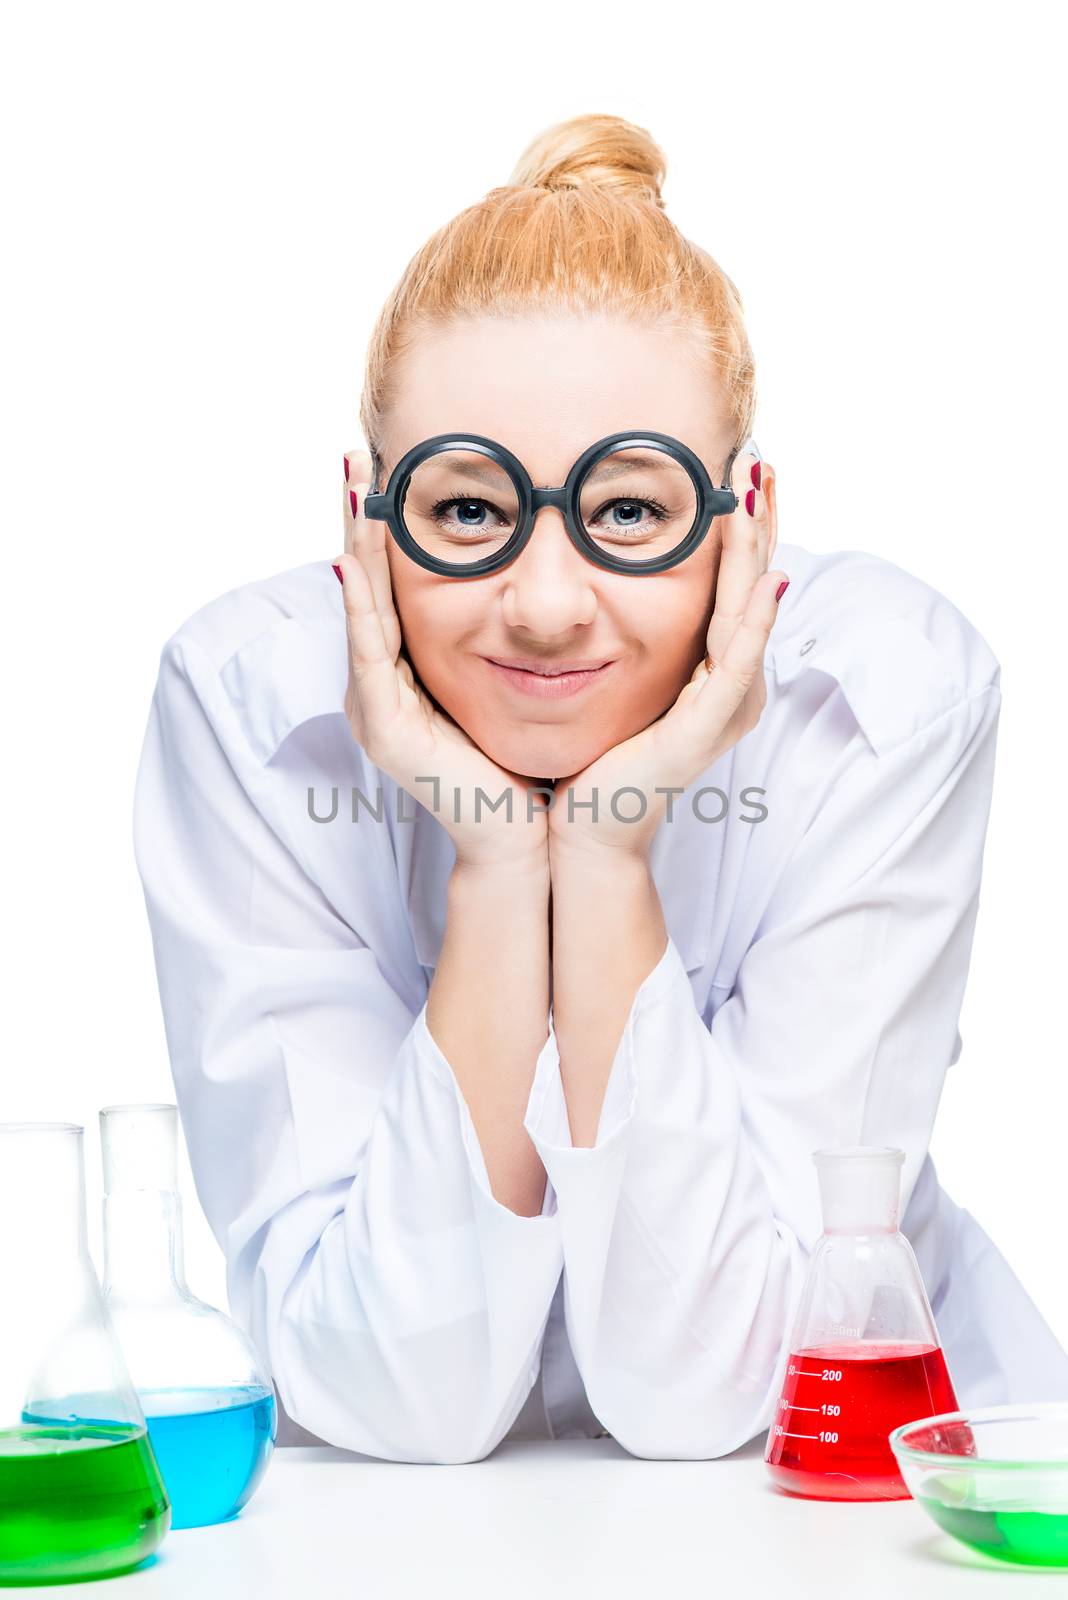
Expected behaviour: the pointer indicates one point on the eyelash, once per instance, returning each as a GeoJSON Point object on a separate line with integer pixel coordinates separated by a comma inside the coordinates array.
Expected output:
{"type": "Point", "coordinates": [635, 500]}
{"type": "Point", "coordinates": [461, 499]}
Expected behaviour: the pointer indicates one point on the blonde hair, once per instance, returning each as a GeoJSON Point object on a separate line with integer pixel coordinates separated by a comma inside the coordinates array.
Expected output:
{"type": "Point", "coordinates": [580, 225]}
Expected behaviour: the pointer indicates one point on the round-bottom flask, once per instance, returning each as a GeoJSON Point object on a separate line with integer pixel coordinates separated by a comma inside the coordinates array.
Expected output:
{"type": "Point", "coordinates": [864, 1352]}
{"type": "Point", "coordinates": [80, 1489]}
{"type": "Point", "coordinates": [207, 1398]}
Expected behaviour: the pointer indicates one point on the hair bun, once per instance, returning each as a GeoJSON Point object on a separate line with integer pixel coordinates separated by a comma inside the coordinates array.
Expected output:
{"type": "Point", "coordinates": [605, 151]}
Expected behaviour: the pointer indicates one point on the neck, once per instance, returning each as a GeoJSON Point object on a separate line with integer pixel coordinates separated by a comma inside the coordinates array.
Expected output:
{"type": "Point", "coordinates": [143, 1259]}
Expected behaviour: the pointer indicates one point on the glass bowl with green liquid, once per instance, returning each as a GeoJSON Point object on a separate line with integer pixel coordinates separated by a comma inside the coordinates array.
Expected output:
{"type": "Point", "coordinates": [995, 1478]}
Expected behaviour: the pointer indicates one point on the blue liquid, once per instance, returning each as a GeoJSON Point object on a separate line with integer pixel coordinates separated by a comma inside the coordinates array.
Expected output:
{"type": "Point", "coordinates": [212, 1446]}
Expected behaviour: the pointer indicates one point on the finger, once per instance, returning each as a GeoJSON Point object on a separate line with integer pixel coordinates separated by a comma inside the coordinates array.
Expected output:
{"type": "Point", "coordinates": [729, 681]}
{"type": "Point", "coordinates": [373, 669]}
{"type": "Point", "coordinates": [358, 469]}
{"type": "Point", "coordinates": [743, 554]}
{"type": "Point", "coordinates": [366, 537]}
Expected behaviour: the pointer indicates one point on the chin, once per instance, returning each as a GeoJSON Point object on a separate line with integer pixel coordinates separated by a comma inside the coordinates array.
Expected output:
{"type": "Point", "coordinates": [548, 756]}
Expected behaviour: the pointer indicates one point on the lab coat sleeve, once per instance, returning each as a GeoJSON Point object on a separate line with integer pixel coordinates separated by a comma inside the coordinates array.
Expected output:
{"type": "Point", "coordinates": [401, 1307]}
{"type": "Point", "coordinates": [688, 1225]}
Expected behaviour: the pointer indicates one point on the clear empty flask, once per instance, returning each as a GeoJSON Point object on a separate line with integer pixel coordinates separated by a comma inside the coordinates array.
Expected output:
{"type": "Point", "coordinates": [864, 1352]}
{"type": "Point", "coordinates": [80, 1489]}
{"type": "Point", "coordinates": [207, 1398]}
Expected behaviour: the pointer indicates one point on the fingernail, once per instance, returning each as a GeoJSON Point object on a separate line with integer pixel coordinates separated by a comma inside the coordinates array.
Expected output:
{"type": "Point", "coordinates": [346, 469]}
{"type": "Point", "coordinates": [340, 574]}
{"type": "Point", "coordinates": [352, 500]}
{"type": "Point", "coordinates": [750, 502]}
{"type": "Point", "coordinates": [781, 590]}
{"type": "Point", "coordinates": [754, 474]}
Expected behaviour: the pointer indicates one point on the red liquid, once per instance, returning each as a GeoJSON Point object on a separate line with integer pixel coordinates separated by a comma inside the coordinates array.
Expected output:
{"type": "Point", "coordinates": [839, 1402]}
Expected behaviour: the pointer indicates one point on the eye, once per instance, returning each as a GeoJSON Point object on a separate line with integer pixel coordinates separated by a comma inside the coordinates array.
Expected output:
{"type": "Point", "coordinates": [628, 519]}
{"type": "Point", "coordinates": [472, 515]}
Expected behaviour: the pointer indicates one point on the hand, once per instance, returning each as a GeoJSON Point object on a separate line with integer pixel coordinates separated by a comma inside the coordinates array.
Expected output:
{"type": "Point", "coordinates": [713, 711]}
{"type": "Point", "coordinates": [401, 728]}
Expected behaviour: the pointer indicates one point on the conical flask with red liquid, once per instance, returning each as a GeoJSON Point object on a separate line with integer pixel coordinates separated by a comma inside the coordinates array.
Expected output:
{"type": "Point", "coordinates": [864, 1353]}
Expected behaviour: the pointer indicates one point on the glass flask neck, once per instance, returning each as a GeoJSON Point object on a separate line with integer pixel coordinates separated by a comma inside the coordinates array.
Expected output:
{"type": "Point", "coordinates": [42, 1192]}
{"type": "Point", "coordinates": [143, 1253]}
{"type": "Point", "coordinates": [860, 1189]}
{"type": "Point", "coordinates": [143, 1258]}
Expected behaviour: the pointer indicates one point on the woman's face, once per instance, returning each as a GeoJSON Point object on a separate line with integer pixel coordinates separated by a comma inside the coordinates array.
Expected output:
{"type": "Point", "coordinates": [546, 387]}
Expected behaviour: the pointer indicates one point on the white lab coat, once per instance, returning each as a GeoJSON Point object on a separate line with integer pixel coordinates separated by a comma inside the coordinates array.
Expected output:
{"type": "Point", "coordinates": [808, 995]}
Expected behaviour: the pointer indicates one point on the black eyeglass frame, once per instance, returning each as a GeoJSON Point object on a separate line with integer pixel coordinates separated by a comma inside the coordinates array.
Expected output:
{"type": "Point", "coordinates": [711, 501]}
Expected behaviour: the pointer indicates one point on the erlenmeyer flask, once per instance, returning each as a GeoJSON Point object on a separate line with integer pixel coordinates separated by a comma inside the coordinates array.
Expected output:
{"type": "Point", "coordinates": [80, 1489]}
{"type": "Point", "coordinates": [207, 1398]}
{"type": "Point", "coordinates": [864, 1353]}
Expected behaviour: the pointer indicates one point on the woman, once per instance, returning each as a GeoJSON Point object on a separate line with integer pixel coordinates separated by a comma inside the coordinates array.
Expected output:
{"type": "Point", "coordinates": [504, 1118]}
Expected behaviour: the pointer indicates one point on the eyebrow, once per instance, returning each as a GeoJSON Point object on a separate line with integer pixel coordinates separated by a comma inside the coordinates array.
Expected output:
{"type": "Point", "coordinates": [456, 461]}
{"type": "Point", "coordinates": [612, 469]}
{"type": "Point", "coordinates": [608, 468]}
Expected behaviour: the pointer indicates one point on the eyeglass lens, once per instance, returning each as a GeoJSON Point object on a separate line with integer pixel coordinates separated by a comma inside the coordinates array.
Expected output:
{"type": "Point", "coordinates": [636, 504]}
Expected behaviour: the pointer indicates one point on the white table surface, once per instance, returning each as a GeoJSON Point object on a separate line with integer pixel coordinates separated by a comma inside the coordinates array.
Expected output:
{"type": "Point", "coordinates": [554, 1519]}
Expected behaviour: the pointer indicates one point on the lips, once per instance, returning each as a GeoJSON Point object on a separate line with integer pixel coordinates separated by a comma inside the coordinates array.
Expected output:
{"type": "Point", "coordinates": [547, 669]}
{"type": "Point", "coordinates": [545, 684]}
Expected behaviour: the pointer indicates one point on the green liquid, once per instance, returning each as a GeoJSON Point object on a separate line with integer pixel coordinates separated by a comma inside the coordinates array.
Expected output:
{"type": "Point", "coordinates": [1028, 1538]}
{"type": "Point", "coordinates": [78, 1501]}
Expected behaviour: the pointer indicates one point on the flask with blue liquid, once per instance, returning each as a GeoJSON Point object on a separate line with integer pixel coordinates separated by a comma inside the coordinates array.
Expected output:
{"type": "Point", "coordinates": [207, 1398]}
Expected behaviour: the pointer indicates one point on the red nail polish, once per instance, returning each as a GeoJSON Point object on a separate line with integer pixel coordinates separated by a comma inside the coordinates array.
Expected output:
{"type": "Point", "coordinates": [352, 500]}
{"type": "Point", "coordinates": [781, 590]}
{"type": "Point", "coordinates": [750, 502]}
{"type": "Point", "coordinates": [754, 474]}
{"type": "Point", "coordinates": [340, 574]}
{"type": "Point", "coordinates": [346, 469]}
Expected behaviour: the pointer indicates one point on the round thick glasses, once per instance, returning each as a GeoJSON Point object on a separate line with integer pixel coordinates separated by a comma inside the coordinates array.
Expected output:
{"type": "Point", "coordinates": [463, 505]}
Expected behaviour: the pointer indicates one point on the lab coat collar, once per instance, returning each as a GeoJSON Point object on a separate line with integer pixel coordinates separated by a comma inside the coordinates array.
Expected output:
{"type": "Point", "coordinates": [294, 670]}
{"type": "Point", "coordinates": [852, 617]}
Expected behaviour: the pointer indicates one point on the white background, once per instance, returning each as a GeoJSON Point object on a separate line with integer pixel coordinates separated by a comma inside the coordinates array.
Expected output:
{"type": "Point", "coordinates": [204, 207]}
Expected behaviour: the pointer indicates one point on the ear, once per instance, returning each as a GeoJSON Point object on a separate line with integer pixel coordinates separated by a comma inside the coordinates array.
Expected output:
{"type": "Point", "coordinates": [767, 489]}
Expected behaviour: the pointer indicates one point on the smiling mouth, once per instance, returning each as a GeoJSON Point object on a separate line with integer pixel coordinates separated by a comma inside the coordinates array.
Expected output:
{"type": "Point", "coordinates": [549, 683]}
{"type": "Point", "coordinates": [561, 668]}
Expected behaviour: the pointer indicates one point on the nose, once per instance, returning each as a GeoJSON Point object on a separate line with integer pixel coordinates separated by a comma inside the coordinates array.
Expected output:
{"type": "Point", "coordinates": [549, 587]}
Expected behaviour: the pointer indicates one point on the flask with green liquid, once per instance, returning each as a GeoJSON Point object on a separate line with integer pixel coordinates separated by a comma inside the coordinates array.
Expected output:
{"type": "Point", "coordinates": [81, 1494]}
